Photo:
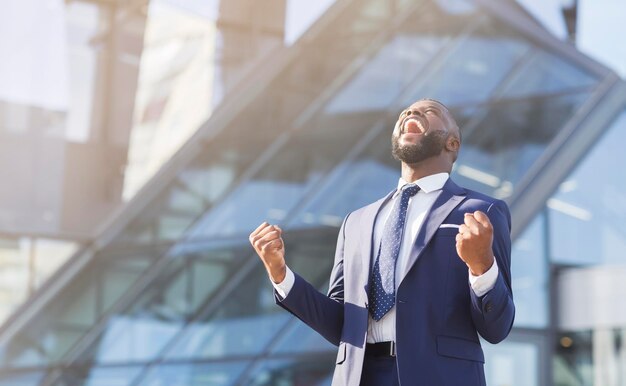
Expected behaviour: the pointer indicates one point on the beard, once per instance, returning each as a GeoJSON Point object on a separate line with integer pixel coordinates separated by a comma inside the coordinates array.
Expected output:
{"type": "Point", "coordinates": [431, 145]}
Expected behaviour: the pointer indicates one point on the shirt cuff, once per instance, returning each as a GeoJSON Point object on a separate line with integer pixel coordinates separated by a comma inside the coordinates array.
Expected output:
{"type": "Point", "coordinates": [485, 282]}
{"type": "Point", "coordinates": [285, 286]}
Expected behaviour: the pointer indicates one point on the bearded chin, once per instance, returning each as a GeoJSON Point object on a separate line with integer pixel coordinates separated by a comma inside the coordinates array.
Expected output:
{"type": "Point", "coordinates": [430, 146]}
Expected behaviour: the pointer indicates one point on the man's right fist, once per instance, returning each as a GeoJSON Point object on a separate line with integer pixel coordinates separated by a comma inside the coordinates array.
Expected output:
{"type": "Point", "coordinates": [268, 244]}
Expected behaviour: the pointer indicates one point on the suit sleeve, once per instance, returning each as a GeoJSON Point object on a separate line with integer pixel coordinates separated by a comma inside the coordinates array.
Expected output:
{"type": "Point", "coordinates": [323, 313]}
{"type": "Point", "coordinates": [494, 312]}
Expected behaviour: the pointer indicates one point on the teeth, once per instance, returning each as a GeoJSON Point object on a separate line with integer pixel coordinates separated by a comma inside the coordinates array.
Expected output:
{"type": "Point", "coordinates": [417, 122]}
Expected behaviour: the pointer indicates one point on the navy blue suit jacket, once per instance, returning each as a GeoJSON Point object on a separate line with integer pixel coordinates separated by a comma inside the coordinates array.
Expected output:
{"type": "Point", "coordinates": [438, 315]}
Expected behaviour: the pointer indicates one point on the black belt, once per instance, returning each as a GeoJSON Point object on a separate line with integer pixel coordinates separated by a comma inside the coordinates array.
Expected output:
{"type": "Point", "coordinates": [381, 349]}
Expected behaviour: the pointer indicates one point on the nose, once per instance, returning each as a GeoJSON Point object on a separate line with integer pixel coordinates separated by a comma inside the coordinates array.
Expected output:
{"type": "Point", "coordinates": [413, 112]}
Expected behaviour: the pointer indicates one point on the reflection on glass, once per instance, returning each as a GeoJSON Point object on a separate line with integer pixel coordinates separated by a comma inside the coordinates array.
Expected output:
{"type": "Point", "coordinates": [202, 374]}
{"type": "Point", "coordinates": [529, 267]}
{"type": "Point", "coordinates": [509, 139]}
{"type": "Point", "coordinates": [247, 320]}
{"type": "Point", "coordinates": [512, 362]}
{"type": "Point", "coordinates": [78, 307]}
{"type": "Point", "coordinates": [386, 75]}
{"type": "Point", "coordinates": [299, 164]}
{"type": "Point", "coordinates": [299, 16]}
{"type": "Point", "coordinates": [174, 89]}
{"type": "Point", "coordinates": [141, 332]}
{"type": "Point", "coordinates": [587, 214]}
{"type": "Point", "coordinates": [475, 68]}
{"type": "Point", "coordinates": [545, 74]}
{"type": "Point", "coordinates": [352, 185]}
{"type": "Point", "coordinates": [590, 357]}
{"type": "Point", "coordinates": [25, 263]}
{"type": "Point", "coordinates": [99, 376]}
{"type": "Point", "coordinates": [301, 338]}
{"type": "Point", "coordinates": [85, 23]}
{"type": "Point", "coordinates": [278, 107]}
{"type": "Point", "coordinates": [573, 360]}
{"type": "Point", "coordinates": [21, 379]}
{"type": "Point", "coordinates": [289, 372]}
{"type": "Point", "coordinates": [194, 53]}
{"type": "Point", "coordinates": [194, 190]}
{"type": "Point", "coordinates": [282, 182]}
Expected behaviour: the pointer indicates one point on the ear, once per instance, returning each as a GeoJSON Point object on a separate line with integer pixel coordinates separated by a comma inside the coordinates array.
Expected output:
{"type": "Point", "coordinates": [453, 144]}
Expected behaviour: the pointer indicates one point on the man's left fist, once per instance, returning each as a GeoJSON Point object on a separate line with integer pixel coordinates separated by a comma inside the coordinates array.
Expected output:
{"type": "Point", "coordinates": [473, 242]}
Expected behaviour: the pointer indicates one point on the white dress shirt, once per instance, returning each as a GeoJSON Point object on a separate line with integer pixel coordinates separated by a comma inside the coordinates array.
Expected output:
{"type": "Point", "coordinates": [419, 205]}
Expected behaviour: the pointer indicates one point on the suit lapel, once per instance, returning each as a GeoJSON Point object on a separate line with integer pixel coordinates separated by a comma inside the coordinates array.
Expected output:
{"type": "Point", "coordinates": [368, 220]}
{"type": "Point", "coordinates": [449, 197]}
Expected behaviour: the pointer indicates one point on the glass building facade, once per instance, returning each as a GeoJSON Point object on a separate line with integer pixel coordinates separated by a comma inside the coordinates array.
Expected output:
{"type": "Point", "coordinates": [171, 293]}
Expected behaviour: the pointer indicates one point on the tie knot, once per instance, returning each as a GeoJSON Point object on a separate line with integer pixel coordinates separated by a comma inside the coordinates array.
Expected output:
{"type": "Point", "coordinates": [410, 190]}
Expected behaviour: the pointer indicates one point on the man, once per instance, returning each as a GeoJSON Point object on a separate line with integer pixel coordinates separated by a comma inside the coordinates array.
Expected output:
{"type": "Point", "coordinates": [417, 275]}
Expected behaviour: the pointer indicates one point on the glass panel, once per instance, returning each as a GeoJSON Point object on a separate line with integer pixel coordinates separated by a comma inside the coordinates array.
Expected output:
{"type": "Point", "coordinates": [352, 185]}
{"type": "Point", "coordinates": [547, 74]}
{"type": "Point", "coordinates": [202, 374]}
{"type": "Point", "coordinates": [194, 54]}
{"type": "Point", "coordinates": [76, 309]}
{"type": "Point", "coordinates": [529, 267]}
{"type": "Point", "coordinates": [248, 321]}
{"type": "Point", "coordinates": [395, 65]}
{"type": "Point", "coordinates": [514, 362]}
{"type": "Point", "coordinates": [369, 176]}
{"type": "Point", "coordinates": [595, 357]}
{"type": "Point", "coordinates": [61, 95]}
{"type": "Point", "coordinates": [299, 16]}
{"type": "Point", "coordinates": [509, 139]}
{"type": "Point", "coordinates": [52, 344]}
{"type": "Point", "coordinates": [609, 354]}
{"type": "Point", "coordinates": [588, 211]}
{"type": "Point", "coordinates": [49, 255]}
{"type": "Point", "coordinates": [290, 372]}
{"type": "Point", "coordinates": [15, 275]}
{"type": "Point", "coordinates": [300, 338]}
{"type": "Point", "coordinates": [513, 134]}
{"type": "Point", "coordinates": [475, 68]}
{"type": "Point", "coordinates": [164, 308]}
{"type": "Point", "coordinates": [98, 376]}
{"type": "Point", "coordinates": [22, 379]}
{"type": "Point", "coordinates": [573, 363]}
{"type": "Point", "coordinates": [286, 178]}
{"type": "Point", "coordinates": [234, 149]}
{"type": "Point", "coordinates": [25, 263]}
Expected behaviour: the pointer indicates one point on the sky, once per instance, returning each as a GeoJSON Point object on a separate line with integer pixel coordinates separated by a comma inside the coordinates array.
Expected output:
{"type": "Point", "coordinates": [600, 24]}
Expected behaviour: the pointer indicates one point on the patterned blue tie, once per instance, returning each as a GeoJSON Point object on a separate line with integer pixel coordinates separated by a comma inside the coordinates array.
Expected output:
{"type": "Point", "coordinates": [382, 292]}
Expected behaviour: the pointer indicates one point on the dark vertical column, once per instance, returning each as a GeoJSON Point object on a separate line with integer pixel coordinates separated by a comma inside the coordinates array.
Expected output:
{"type": "Point", "coordinates": [570, 16]}
{"type": "Point", "coordinates": [247, 31]}
{"type": "Point", "coordinates": [94, 177]}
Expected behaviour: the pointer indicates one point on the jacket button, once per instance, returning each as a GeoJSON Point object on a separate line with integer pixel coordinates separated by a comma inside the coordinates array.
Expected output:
{"type": "Point", "coordinates": [488, 307]}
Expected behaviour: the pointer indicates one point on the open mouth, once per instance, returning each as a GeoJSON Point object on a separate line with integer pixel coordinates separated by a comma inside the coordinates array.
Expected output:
{"type": "Point", "coordinates": [413, 125]}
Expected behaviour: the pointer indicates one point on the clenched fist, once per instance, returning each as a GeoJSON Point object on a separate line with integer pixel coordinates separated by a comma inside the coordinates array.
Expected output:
{"type": "Point", "coordinates": [269, 245]}
{"type": "Point", "coordinates": [473, 242]}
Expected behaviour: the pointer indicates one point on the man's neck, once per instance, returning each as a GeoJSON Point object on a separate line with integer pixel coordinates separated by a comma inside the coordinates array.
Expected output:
{"type": "Point", "coordinates": [413, 172]}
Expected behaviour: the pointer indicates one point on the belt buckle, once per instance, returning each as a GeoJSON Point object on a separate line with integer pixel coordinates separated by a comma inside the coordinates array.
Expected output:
{"type": "Point", "coordinates": [392, 349]}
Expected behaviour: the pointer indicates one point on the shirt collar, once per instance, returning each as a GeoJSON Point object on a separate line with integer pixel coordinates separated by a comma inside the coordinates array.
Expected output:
{"type": "Point", "coordinates": [427, 184]}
